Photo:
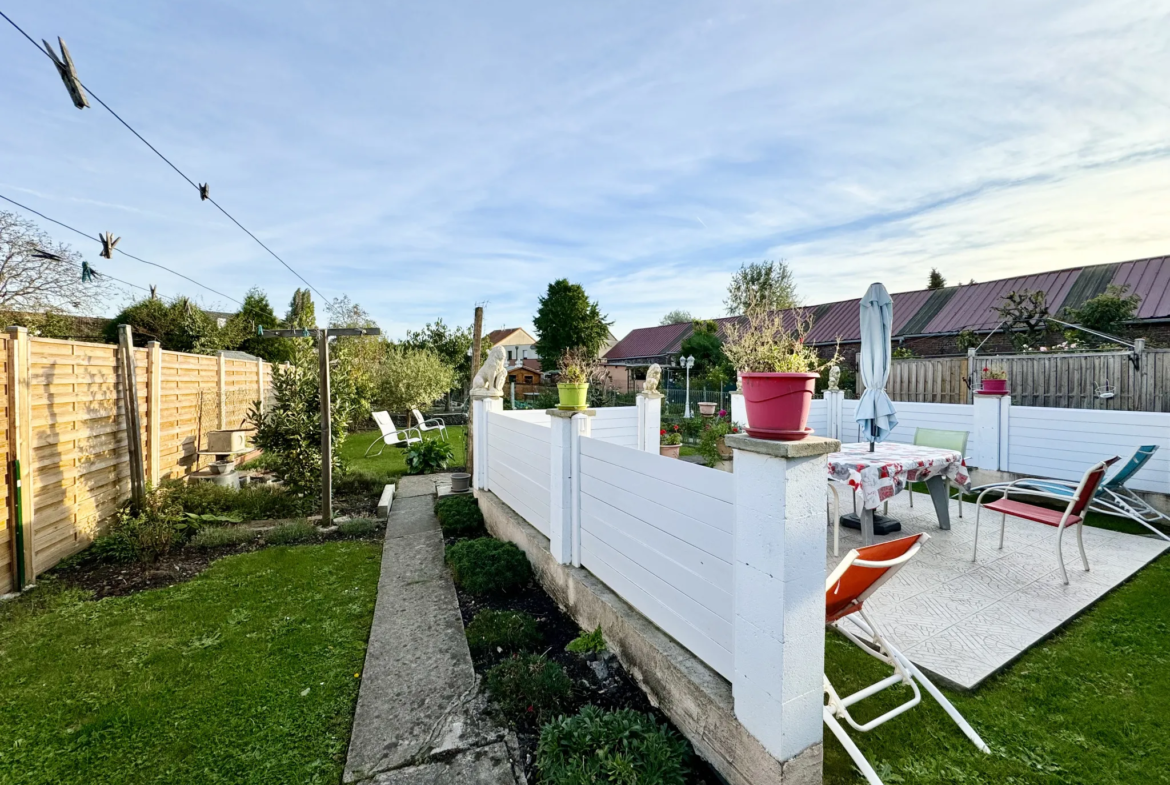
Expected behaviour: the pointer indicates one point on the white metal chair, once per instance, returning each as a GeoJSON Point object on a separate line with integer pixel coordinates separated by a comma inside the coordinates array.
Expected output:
{"type": "Point", "coordinates": [433, 424]}
{"type": "Point", "coordinates": [392, 434]}
{"type": "Point", "coordinates": [862, 572]}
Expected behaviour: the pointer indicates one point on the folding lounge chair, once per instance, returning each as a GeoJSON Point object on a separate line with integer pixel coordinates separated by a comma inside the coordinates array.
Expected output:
{"type": "Point", "coordinates": [1073, 514]}
{"type": "Point", "coordinates": [433, 424]}
{"type": "Point", "coordinates": [1112, 497]}
{"type": "Point", "coordinates": [392, 434]}
{"type": "Point", "coordinates": [855, 579]}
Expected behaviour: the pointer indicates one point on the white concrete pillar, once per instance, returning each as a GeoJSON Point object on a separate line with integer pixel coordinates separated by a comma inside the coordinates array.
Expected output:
{"type": "Point", "coordinates": [649, 421]}
{"type": "Point", "coordinates": [481, 404]}
{"type": "Point", "coordinates": [990, 432]}
{"type": "Point", "coordinates": [834, 403]}
{"type": "Point", "coordinates": [738, 409]}
{"type": "Point", "coordinates": [780, 590]}
{"type": "Point", "coordinates": [564, 490]}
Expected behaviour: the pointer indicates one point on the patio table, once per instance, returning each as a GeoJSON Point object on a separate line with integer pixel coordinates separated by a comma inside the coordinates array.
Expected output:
{"type": "Point", "coordinates": [885, 472]}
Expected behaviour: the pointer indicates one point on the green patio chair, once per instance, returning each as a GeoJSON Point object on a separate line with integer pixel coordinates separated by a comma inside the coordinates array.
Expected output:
{"type": "Point", "coordinates": [945, 440]}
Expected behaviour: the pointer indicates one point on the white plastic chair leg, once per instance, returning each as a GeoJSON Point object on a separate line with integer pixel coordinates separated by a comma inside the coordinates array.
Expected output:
{"type": "Point", "coordinates": [1002, 526]}
{"type": "Point", "coordinates": [375, 441]}
{"type": "Point", "coordinates": [1060, 554]}
{"type": "Point", "coordinates": [851, 748]}
{"type": "Point", "coordinates": [975, 546]}
{"type": "Point", "coordinates": [910, 488]}
{"type": "Point", "coordinates": [1081, 545]}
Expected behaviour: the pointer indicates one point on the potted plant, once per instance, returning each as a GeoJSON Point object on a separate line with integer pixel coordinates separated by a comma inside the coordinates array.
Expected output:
{"type": "Point", "coordinates": [994, 381]}
{"type": "Point", "coordinates": [779, 371]}
{"type": "Point", "coordinates": [576, 368]}
{"type": "Point", "coordinates": [707, 408]}
{"type": "Point", "coordinates": [725, 452]}
{"type": "Point", "coordinates": [669, 441]}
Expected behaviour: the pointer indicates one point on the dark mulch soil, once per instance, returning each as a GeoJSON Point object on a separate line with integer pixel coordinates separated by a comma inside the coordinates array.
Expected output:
{"type": "Point", "coordinates": [619, 691]}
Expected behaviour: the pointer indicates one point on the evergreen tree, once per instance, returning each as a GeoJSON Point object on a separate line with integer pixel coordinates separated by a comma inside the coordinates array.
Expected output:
{"type": "Point", "coordinates": [936, 280]}
{"type": "Point", "coordinates": [566, 319]}
{"type": "Point", "coordinates": [301, 313]}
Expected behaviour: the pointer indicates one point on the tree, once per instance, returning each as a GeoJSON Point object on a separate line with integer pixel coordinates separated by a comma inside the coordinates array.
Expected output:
{"type": "Point", "coordinates": [256, 312]}
{"type": "Point", "coordinates": [452, 344]}
{"type": "Point", "coordinates": [566, 319]}
{"type": "Point", "coordinates": [705, 345]}
{"type": "Point", "coordinates": [180, 326]}
{"type": "Point", "coordinates": [412, 378]}
{"type": "Point", "coordinates": [301, 312]}
{"type": "Point", "coordinates": [1025, 315]}
{"type": "Point", "coordinates": [767, 285]}
{"type": "Point", "coordinates": [676, 316]}
{"type": "Point", "coordinates": [936, 280]}
{"type": "Point", "coordinates": [40, 275]}
{"type": "Point", "coordinates": [344, 313]}
{"type": "Point", "coordinates": [1106, 313]}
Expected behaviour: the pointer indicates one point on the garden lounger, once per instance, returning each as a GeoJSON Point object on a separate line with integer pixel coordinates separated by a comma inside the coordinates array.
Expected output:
{"type": "Point", "coordinates": [424, 425]}
{"type": "Point", "coordinates": [1072, 515]}
{"type": "Point", "coordinates": [392, 434]}
{"type": "Point", "coordinates": [862, 572]}
{"type": "Point", "coordinates": [1112, 497]}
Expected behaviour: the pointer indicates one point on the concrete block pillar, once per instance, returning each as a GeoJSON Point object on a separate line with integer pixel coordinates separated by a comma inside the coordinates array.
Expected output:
{"type": "Point", "coordinates": [990, 432]}
{"type": "Point", "coordinates": [738, 409]}
{"type": "Point", "coordinates": [649, 421]}
{"type": "Point", "coordinates": [834, 404]}
{"type": "Point", "coordinates": [780, 591]}
{"type": "Point", "coordinates": [482, 402]}
{"type": "Point", "coordinates": [564, 490]}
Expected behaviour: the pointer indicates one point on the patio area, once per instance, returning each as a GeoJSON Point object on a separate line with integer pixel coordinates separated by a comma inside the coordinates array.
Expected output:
{"type": "Point", "coordinates": [965, 621]}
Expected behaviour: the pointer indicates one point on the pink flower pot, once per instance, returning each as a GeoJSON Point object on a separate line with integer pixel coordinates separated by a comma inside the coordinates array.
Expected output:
{"type": "Point", "coordinates": [994, 387]}
{"type": "Point", "coordinates": [778, 404]}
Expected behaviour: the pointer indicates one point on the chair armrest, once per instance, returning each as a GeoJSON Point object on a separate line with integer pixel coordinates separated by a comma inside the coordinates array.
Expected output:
{"type": "Point", "coordinates": [428, 422]}
{"type": "Point", "coordinates": [408, 431]}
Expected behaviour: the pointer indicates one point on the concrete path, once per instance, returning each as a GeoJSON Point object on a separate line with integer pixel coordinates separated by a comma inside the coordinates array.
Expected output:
{"type": "Point", "coordinates": [420, 717]}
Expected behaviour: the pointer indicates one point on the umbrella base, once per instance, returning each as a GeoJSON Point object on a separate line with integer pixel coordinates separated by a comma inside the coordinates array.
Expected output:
{"type": "Point", "coordinates": [881, 524]}
{"type": "Point", "coordinates": [778, 435]}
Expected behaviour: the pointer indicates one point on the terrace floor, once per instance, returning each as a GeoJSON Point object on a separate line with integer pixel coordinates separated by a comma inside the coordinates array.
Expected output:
{"type": "Point", "coordinates": [964, 621]}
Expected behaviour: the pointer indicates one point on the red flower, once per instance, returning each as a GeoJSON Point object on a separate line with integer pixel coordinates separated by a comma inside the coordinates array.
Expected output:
{"type": "Point", "coordinates": [676, 427]}
{"type": "Point", "coordinates": [662, 432]}
{"type": "Point", "coordinates": [530, 709]}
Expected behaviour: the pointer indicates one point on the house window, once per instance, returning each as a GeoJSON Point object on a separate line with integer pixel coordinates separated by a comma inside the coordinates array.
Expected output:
{"type": "Point", "coordinates": [528, 379]}
{"type": "Point", "coordinates": [509, 354]}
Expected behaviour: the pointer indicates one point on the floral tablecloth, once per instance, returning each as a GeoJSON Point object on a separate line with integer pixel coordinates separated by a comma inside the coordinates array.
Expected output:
{"type": "Point", "coordinates": [884, 472]}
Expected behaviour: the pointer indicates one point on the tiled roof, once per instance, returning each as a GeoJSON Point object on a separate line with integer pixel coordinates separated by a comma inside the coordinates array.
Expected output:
{"type": "Point", "coordinates": [495, 336]}
{"type": "Point", "coordinates": [949, 310]}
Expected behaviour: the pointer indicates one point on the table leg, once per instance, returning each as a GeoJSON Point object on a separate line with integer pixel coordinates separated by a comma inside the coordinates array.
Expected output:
{"type": "Point", "coordinates": [866, 525]}
{"type": "Point", "coordinates": [942, 503]}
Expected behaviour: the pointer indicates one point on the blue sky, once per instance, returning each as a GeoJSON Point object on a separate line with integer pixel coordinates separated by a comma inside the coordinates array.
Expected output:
{"type": "Point", "coordinates": [421, 157]}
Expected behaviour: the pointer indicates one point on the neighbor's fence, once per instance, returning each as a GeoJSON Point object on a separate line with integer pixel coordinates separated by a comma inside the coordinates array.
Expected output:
{"type": "Point", "coordinates": [64, 420]}
{"type": "Point", "coordinates": [1114, 381]}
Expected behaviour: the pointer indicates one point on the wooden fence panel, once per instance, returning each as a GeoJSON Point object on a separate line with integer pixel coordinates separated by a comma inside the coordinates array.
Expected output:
{"type": "Point", "coordinates": [240, 392]}
{"type": "Point", "coordinates": [187, 409]}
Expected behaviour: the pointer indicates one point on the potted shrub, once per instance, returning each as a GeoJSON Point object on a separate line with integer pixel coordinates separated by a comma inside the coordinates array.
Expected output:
{"type": "Point", "coordinates": [725, 452]}
{"type": "Point", "coordinates": [779, 371]}
{"type": "Point", "coordinates": [994, 381]}
{"type": "Point", "coordinates": [575, 370]}
{"type": "Point", "coordinates": [669, 441]}
{"type": "Point", "coordinates": [707, 408]}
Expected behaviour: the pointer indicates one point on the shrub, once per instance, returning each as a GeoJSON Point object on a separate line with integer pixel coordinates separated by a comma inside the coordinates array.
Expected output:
{"type": "Point", "coordinates": [611, 746]}
{"type": "Point", "coordinates": [222, 537]}
{"type": "Point", "coordinates": [488, 566]}
{"type": "Point", "coordinates": [249, 503]}
{"type": "Point", "coordinates": [529, 685]}
{"type": "Point", "coordinates": [291, 533]}
{"type": "Point", "coordinates": [428, 455]}
{"type": "Point", "coordinates": [459, 516]}
{"type": "Point", "coordinates": [358, 527]}
{"type": "Point", "coordinates": [147, 534]}
{"type": "Point", "coordinates": [361, 482]}
{"type": "Point", "coordinates": [510, 631]}
{"type": "Point", "coordinates": [587, 642]}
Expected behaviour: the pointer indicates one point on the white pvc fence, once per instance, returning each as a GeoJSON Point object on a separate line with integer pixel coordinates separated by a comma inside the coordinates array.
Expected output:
{"type": "Point", "coordinates": [659, 533]}
{"type": "Point", "coordinates": [518, 465]}
{"type": "Point", "coordinates": [538, 416]}
{"type": "Point", "coordinates": [818, 417]}
{"type": "Point", "coordinates": [616, 425]}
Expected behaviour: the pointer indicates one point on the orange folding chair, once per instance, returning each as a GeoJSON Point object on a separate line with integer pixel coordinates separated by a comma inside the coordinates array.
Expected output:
{"type": "Point", "coordinates": [862, 572]}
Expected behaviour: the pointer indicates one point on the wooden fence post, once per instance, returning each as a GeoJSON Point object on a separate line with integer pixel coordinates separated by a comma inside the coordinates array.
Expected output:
{"type": "Point", "coordinates": [221, 387]}
{"type": "Point", "coordinates": [153, 414]}
{"type": "Point", "coordinates": [260, 383]}
{"type": "Point", "coordinates": [20, 447]}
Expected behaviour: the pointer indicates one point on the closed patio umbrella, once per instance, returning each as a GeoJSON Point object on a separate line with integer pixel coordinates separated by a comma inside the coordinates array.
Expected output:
{"type": "Point", "coordinates": [875, 410]}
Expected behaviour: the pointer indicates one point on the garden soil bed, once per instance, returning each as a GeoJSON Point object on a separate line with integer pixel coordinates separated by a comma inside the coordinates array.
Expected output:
{"type": "Point", "coordinates": [618, 691]}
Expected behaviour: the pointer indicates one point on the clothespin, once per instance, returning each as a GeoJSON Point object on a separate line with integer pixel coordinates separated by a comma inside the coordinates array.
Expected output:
{"type": "Point", "coordinates": [68, 73]}
{"type": "Point", "coordinates": [153, 292]}
{"type": "Point", "coordinates": [108, 243]}
{"type": "Point", "coordinates": [204, 192]}
{"type": "Point", "coordinates": [41, 253]}
{"type": "Point", "coordinates": [87, 273]}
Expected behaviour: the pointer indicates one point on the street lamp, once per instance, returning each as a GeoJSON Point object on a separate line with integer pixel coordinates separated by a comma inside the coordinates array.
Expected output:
{"type": "Point", "coordinates": [688, 363]}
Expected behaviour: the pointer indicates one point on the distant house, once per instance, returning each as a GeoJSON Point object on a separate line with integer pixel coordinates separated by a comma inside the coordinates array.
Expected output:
{"type": "Point", "coordinates": [517, 343]}
{"type": "Point", "coordinates": [526, 373]}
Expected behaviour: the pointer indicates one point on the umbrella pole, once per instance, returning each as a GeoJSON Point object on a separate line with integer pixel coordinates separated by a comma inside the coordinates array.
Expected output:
{"type": "Point", "coordinates": [872, 435]}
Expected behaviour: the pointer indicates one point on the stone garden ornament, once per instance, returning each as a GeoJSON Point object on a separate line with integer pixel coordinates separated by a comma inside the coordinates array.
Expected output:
{"type": "Point", "coordinates": [653, 377]}
{"type": "Point", "coordinates": [834, 377]}
{"type": "Point", "coordinates": [489, 380]}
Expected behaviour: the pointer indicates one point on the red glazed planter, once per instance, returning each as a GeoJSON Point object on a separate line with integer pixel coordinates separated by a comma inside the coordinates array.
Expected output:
{"type": "Point", "coordinates": [778, 404]}
{"type": "Point", "coordinates": [994, 387]}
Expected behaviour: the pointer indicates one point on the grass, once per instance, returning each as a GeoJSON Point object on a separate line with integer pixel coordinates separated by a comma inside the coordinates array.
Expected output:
{"type": "Point", "coordinates": [391, 464]}
{"type": "Point", "coordinates": [245, 674]}
{"type": "Point", "coordinates": [1088, 706]}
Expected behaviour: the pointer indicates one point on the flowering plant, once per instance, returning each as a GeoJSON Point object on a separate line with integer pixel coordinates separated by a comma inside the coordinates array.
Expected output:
{"type": "Point", "coordinates": [994, 373]}
{"type": "Point", "coordinates": [670, 435]}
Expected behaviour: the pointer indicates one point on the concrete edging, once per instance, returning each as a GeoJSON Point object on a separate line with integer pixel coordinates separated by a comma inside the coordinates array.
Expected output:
{"type": "Point", "coordinates": [691, 694]}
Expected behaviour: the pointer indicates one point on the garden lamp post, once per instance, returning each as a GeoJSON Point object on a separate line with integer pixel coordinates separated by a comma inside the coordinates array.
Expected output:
{"type": "Point", "coordinates": [688, 363]}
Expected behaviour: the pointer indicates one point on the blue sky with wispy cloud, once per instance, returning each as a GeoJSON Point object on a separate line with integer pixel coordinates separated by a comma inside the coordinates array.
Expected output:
{"type": "Point", "coordinates": [422, 157]}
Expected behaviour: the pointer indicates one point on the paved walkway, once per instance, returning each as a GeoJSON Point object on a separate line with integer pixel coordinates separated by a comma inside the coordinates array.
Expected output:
{"type": "Point", "coordinates": [420, 718]}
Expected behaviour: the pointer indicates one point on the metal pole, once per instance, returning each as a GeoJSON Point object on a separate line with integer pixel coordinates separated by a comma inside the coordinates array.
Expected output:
{"type": "Point", "coordinates": [326, 430]}
{"type": "Point", "coordinates": [687, 405]}
{"type": "Point", "coordinates": [468, 431]}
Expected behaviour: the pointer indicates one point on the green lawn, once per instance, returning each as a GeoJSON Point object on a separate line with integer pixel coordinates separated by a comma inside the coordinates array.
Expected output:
{"type": "Point", "coordinates": [1089, 706]}
{"type": "Point", "coordinates": [246, 674]}
{"type": "Point", "coordinates": [392, 462]}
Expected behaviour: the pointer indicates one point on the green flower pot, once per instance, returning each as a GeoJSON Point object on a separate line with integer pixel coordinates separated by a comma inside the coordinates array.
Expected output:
{"type": "Point", "coordinates": [574, 397]}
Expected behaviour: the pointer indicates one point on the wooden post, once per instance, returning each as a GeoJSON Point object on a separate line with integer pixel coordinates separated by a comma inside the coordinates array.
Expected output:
{"type": "Point", "coordinates": [153, 412]}
{"type": "Point", "coordinates": [20, 443]}
{"type": "Point", "coordinates": [260, 384]}
{"type": "Point", "coordinates": [326, 430]}
{"type": "Point", "coordinates": [221, 388]}
{"type": "Point", "coordinates": [476, 346]}
{"type": "Point", "coordinates": [133, 418]}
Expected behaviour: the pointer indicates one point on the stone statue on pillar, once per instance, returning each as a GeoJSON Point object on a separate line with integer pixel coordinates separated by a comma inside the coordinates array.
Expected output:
{"type": "Point", "coordinates": [489, 380]}
{"type": "Point", "coordinates": [653, 377]}
{"type": "Point", "coordinates": [834, 377]}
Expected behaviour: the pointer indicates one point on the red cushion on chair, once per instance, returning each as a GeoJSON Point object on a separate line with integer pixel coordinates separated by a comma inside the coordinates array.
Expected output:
{"type": "Point", "coordinates": [1031, 512]}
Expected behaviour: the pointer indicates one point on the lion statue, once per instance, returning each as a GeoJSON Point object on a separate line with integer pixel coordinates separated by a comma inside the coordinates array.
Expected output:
{"type": "Point", "coordinates": [834, 377]}
{"type": "Point", "coordinates": [491, 377]}
{"type": "Point", "coordinates": [653, 377]}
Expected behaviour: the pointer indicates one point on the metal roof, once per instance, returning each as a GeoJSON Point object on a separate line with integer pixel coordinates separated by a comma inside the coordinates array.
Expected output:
{"type": "Point", "coordinates": [648, 342]}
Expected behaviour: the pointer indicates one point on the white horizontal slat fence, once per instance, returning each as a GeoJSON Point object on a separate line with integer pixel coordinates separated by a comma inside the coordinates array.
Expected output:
{"type": "Point", "coordinates": [818, 417]}
{"type": "Point", "coordinates": [518, 466]}
{"type": "Point", "coordinates": [659, 533]}
{"type": "Point", "coordinates": [538, 416]}
{"type": "Point", "coordinates": [616, 425]}
{"type": "Point", "coordinates": [940, 416]}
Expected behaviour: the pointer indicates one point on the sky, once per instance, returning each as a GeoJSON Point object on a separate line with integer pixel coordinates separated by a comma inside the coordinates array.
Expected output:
{"type": "Point", "coordinates": [425, 157]}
